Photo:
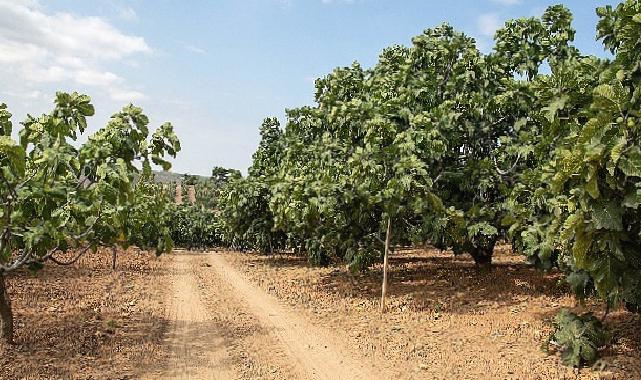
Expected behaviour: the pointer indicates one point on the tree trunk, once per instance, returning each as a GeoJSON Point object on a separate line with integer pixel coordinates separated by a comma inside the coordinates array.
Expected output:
{"type": "Point", "coordinates": [483, 255]}
{"type": "Point", "coordinates": [385, 256]}
{"type": "Point", "coordinates": [6, 314]}
{"type": "Point", "coordinates": [114, 254]}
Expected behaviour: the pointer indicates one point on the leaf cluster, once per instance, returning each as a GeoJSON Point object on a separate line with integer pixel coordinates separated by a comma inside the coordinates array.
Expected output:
{"type": "Point", "coordinates": [578, 337]}
{"type": "Point", "coordinates": [55, 195]}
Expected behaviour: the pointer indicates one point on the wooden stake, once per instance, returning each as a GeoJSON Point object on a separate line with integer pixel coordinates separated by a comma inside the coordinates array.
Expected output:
{"type": "Point", "coordinates": [114, 253]}
{"type": "Point", "coordinates": [387, 244]}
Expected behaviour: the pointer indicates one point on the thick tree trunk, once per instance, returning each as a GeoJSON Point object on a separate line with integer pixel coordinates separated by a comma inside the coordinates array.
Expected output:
{"type": "Point", "coordinates": [385, 256]}
{"type": "Point", "coordinates": [6, 314]}
{"type": "Point", "coordinates": [483, 255]}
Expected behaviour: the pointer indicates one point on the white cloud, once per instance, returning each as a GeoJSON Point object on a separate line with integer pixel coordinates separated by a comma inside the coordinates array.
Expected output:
{"type": "Point", "coordinates": [97, 78]}
{"type": "Point", "coordinates": [195, 49]}
{"type": "Point", "coordinates": [127, 14]}
{"type": "Point", "coordinates": [506, 2]}
{"type": "Point", "coordinates": [61, 47]}
{"type": "Point", "coordinates": [45, 74]}
{"type": "Point", "coordinates": [16, 52]}
{"type": "Point", "coordinates": [488, 23]}
{"type": "Point", "coordinates": [25, 94]}
{"type": "Point", "coordinates": [123, 96]}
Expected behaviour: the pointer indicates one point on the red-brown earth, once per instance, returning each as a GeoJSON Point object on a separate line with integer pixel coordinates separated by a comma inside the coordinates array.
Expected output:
{"type": "Point", "coordinates": [247, 316]}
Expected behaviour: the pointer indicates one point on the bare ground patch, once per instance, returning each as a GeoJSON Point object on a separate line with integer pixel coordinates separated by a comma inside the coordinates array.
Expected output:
{"type": "Point", "coordinates": [87, 321]}
{"type": "Point", "coordinates": [447, 320]}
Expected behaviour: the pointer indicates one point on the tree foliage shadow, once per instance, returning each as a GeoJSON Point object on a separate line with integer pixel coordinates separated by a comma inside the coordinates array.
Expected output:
{"type": "Point", "coordinates": [56, 345]}
{"type": "Point", "coordinates": [424, 278]}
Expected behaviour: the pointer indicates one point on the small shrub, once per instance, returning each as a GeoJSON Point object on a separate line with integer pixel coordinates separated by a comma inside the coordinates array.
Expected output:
{"type": "Point", "coordinates": [578, 337]}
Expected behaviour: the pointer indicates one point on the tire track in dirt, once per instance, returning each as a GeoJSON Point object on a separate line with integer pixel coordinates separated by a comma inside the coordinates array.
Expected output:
{"type": "Point", "coordinates": [224, 327]}
{"type": "Point", "coordinates": [197, 349]}
{"type": "Point", "coordinates": [314, 351]}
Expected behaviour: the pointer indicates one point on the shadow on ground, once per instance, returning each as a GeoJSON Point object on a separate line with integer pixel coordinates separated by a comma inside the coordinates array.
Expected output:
{"type": "Point", "coordinates": [421, 277]}
{"type": "Point", "coordinates": [85, 320]}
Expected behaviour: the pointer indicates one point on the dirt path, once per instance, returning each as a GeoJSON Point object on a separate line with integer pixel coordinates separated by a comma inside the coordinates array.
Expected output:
{"type": "Point", "coordinates": [221, 324]}
{"type": "Point", "coordinates": [315, 352]}
{"type": "Point", "coordinates": [197, 352]}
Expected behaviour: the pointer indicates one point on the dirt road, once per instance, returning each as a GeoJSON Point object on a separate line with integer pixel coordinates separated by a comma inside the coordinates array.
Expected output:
{"type": "Point", "coordinates": [224, 327]}
{"type": "Point", "coordinates": [197, 350]}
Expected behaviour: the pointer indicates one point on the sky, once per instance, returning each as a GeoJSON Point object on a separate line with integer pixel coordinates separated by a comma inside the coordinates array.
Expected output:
{"type": "Point", "coordinates": [215, 69]}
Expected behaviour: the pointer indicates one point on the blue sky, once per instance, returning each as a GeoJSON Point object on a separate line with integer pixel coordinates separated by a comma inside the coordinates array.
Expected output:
{"type": "Point", "coordinates": [215, 69]}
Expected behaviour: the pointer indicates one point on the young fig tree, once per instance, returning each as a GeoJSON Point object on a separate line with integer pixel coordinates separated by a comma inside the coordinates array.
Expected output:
{"type": "Point", "coordinates": [56, 197]}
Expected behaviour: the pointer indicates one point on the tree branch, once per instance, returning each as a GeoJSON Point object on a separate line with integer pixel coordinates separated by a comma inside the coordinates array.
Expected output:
{"type": "Point", "coordinates": [508, 171]}
{"type": "Point", "coordinates": [78, 256]}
